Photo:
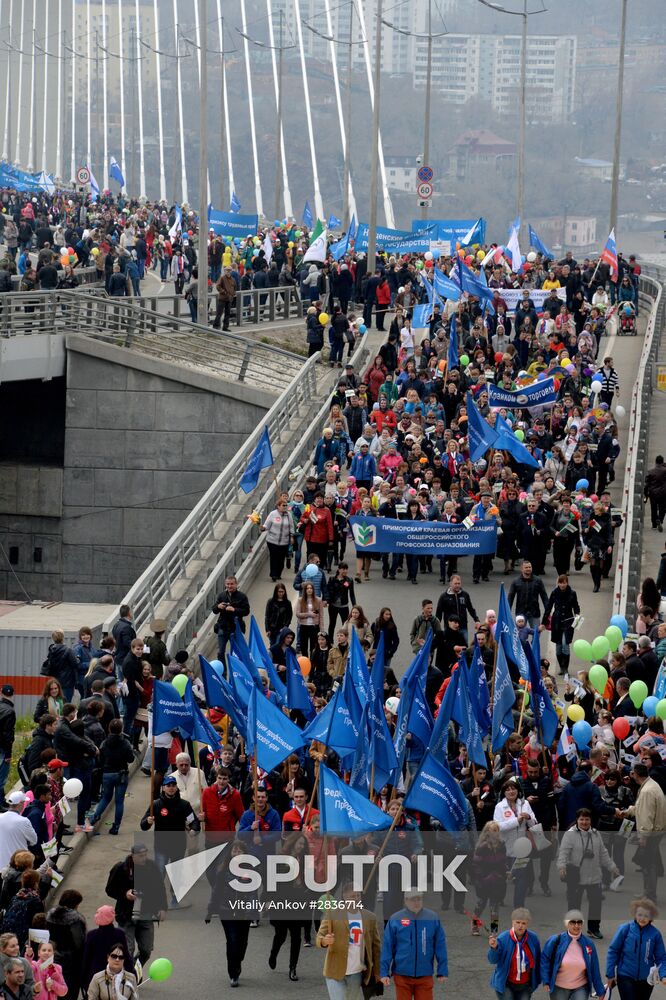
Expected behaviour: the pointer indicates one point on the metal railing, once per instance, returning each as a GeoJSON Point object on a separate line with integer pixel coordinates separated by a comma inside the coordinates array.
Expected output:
{"type": "Point", "coordinates": [223, 501]}
{"type": "Point", "coordinates": [86, 275]}
{"type": "Point", "coordinates": [245, 556]}
{"type": "Point", "coordinates": [628, 570]}
{"type": "Point", "coordinates": [254, 306]}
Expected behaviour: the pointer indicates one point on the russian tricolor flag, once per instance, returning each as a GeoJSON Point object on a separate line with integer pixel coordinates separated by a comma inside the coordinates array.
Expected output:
{"type": "Point", "coordinates": [609, 254]}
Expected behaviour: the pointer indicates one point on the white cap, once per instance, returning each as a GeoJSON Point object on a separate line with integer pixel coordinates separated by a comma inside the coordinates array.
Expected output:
{"type": "Point", "coordinates": [16, 798]}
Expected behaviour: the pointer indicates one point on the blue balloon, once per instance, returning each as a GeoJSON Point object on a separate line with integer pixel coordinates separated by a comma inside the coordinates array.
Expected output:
{"type": "Point", "coordinates": [582, 484]}
{"type": "Point", "coordinates": [436, 254]}
{"type": "Point", "coordinates": [621, 623]}
{"type": "Point", "coordinates": [362, 328]}
{"type": "Point", "coordinates": [582, 733]}
{"type": "Point", "coordinates": [310, 572]}
{"type": "Point", "coordinates": [650, 706]}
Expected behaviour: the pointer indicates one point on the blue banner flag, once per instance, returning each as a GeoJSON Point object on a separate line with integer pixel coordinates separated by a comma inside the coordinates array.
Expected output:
{"type": "Point", "coordinates": [220, 695]}
{"type": "Point", "coordinates": [240, 648]}
{"type": "Point", "coordinates": [334, 223]}
{"type": "Point", "coordinates": [116, 172]}
{"type": "Point", "coordinates": [409, 708]}
{"type": "Point", "coordinates": [453, 230]}
{"type": "Point", "coordinates": [506, 632]}
{"type": "Point", "coordinates": [271, 736]}
{"type": "Point", "coordinates": [307, 215]}
{"type": "Point", "coordinates": [469, 283]}
{"type": "Point", "coordinates": [169, 710]}
{"type": "Point", "coordinates": [261, 458]}
{"type": "Point", "coordinates": [436, 538]}
{"type": "Point", "coordinates": [507, 441]}
{"type": "Point", "coordinates": [473, 234]}
{"type": "Point", "coordinates": [344, 811]}
{"type": "Point", "coordinates": [503, 702]}
{"type": "Point", "coordinates": [445, 287]}
{"type": "Point", "coordinates": [235, 206]}
{"type": "Point", "coordinates": [298, 696]}
{"type": "Point", "coordinates": [482, 436]}
{"type": "Point", "coordinates": [339, 249]}
{"type": "Point", "coordinates": [528, 396]}
{"type": "Point", "coordinates": [358, 668]}
{"type": "Point", "coordinates": [383, 759]}
{"type": "Point", "coordinates": [440, 733]}
{"type": "Point", "coordinates": [262, 658]}
{"type": "Point", "coordinates": [421, 316]}
{"type": "Point", "coordinates": [202, 729]}
{"type": "Point", "coordinates": [377, 674]}
{"type": "Point", "coordinates": [436, 792]}
{"type": "Point", "coordinates": [464, 715]}
{"type": "Point", "coordinates": [538, 245]}
{"type": "Point", "coordinates": [479, 689]}
{"type": "Point", "coordinates": [233, 224]}
{"type": "Point", "coordinates": [240, 680]}
{"type": "Point", "coordinates": [359, 777]}
{"type": "Point", "coordinates": [542, 707]}
{"type": "Point", "coordinates": [453, 355]}
{"type": "Point", "coordinates": [334, 726]}
{"type": "Point", "coordinates": [396, 240]}
{"type": "Point", "coordinates": [353, 228]}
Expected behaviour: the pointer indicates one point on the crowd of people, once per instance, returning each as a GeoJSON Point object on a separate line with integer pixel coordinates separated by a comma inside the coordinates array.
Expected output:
{"type": "Point", "coordinates": [397, 444]}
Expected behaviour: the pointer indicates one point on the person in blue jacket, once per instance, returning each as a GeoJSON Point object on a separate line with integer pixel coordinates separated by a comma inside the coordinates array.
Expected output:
{"type": "Point", "coordinates": [413, 939]}
{"type": "Point", "coordinates": [570, 964]}
{"type": "Point", "coordinates": [516, 955]}
{"type": "Point", "coordinates": [363, 467]}
{"type": "Point", "coordinates": [635, 948]}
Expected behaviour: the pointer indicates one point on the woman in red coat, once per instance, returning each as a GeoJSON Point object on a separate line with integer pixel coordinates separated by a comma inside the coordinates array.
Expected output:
{"type": "Point", "coordinates": [383, 297]}
{"type": "Point", "coordinates": [375, 378]}
{"type": "Point", "coordinates": [317, 525]}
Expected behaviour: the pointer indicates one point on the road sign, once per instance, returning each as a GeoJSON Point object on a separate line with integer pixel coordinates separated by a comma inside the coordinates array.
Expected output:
{"type": "Point", "coordinates": [424, 203]}
{"type": "Point", "coordinates": [425, 174]}
{"type": "Point", "coordinates": [83, 175]}
{"type": "Point", "coordinates": [424, 190]}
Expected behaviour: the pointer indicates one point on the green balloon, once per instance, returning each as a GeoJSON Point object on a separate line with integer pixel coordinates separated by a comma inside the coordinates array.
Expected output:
{"type": "Point", "coordinates": [464, 360]}
{"type": "Point", "coordinates": [600, 647]}
{"type": "Point", "coordinates": [614, 636]}
{"type": "Point", "coordinates": [180, 683]}
{"type": "Point", "coordinates": [520, 434]}
{"type": "Point", "coordinates": [661, 709]}
{"type": "Point", "coordinates": [160, 969]}
{"type": "Point", "coordinates": [526, 697]}
{"type": "Point", "coordinates": [583, 649]}
{"type": "Point", "coordinates": [598, 677]}
{"type": "Point", "coordinates": [638, 692]}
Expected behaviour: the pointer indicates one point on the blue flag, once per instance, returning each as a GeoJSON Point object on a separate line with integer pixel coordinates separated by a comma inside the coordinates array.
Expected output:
{"type": "Point", "coordinates": [343, 810]}
{"type": "Point", "coordinates": [377, 674]}
{"type": "Point", "coordinates": [383, 759]}
{"type": "Point", "coordinates": [339, 249]}
{"type": "Point", "coordinates": [334, 727]}
{"type": "Point", "coordinates": [220, 695]}
{"type": "Point", "coordinates": [538, 245]}
{"type": "Point", "coordinates": [334, 223]}
{"type": "Point", "coordinates": [271, 736]}
{"type": "Point", "coordinates": [261, 458]}
{"type": "Point", "coordinates": [359, 777]}
{"type": "Point", "coordinates": [307, 215]}
{"type": "Point", "coordinates": [240, 648]}
{"type": "Point", "coordinates": [169, 710]}
{"type": "Point", "coordinates": [544, 713]}
{"type": "Point", "coordinates": [436, 792]}
{"type": "Point", "coordinates": [240, 680]}
{"type": "Point", "coordinates": [410, 707]}
{"type": "Point", "coordinates": [351, 232]}
{"type": "Point", "coordinates": [235, 203]}
{"type": "Point", "coordinates": [440, 733]}
{"type": "Point", "coordinates": [445, 287]}
{"type": "Point", "coordinates": [464, 715]}
{"type": "Point", "coordinates": [94, 186]}
{"type": "Point", "coordinates": [357, 672]}
{"type": "Point", "coordinates": [479, 691]}
{"type": "Point", "coordinates": [298, 696]}
{"type": "Point", "coordinates": [453, 355]}
{"type": "Point", "coordinates": [507, 441]}
{"type": "Point", "coordinates": [503, 702]}
{"type": "Point", "coordinates": [421, 317]}
{"type": "Point", "coordinates": [202, 729]}
{"type": "Point", "coordinates": [116, 172]}
{"type": "Point", "coordinates": [506, 632]}
{"type": "Point", "coordinates": [482, 437]}
{"type": "Point", "coordinates": [474, 234]}
{"type": "Point", "coordinates": [262, 658]}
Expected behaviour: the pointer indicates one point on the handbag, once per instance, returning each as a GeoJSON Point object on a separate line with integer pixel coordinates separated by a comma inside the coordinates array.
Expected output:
{"type": "Point", "coordinates": [375, 988]}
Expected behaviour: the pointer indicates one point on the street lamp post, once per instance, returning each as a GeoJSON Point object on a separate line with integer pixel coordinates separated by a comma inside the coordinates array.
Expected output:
{"type": "Point", "coordinates": [615, 182]}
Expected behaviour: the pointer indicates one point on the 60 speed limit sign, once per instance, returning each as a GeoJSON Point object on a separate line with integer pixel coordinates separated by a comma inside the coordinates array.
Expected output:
{"type": "Point", "coordinates": [83, 175]}
{"type": "Point", "coordinates": [424, 190]}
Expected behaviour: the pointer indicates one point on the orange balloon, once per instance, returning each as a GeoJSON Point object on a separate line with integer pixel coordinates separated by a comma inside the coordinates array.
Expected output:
{"type": "Point", "coordinates": [305, 665]}
{"type": "Point", "coordinates": [441, 365]}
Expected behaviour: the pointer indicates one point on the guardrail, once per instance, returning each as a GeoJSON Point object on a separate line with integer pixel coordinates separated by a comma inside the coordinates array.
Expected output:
{"type": "Point", "coordinates": [253, 306]}
{"type": "Point", "coordinates": [628, 570]}
{"type": "Point", "coordinates": [247, 553]}
{"type": "Point", "coordinates": [156, 583]}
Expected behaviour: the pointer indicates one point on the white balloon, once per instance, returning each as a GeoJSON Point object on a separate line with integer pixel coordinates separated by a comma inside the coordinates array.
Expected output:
{"type": "Point", "coordinates": [391, 705]}
{"type": "Point", "coordinates": [531, 257]}
{"type": "Point", "coordinates": [72, 788]}
{"type": "Point", "coordinates": [428, 255]}
{"type": "Point", "coordinates": [400, 290]}
{"type": "Point", "coordinates": [522, 848]}
{"type": "Point", "coordinates": [596, 386]}
{"type": "Point", "coordinates": [620, 412]}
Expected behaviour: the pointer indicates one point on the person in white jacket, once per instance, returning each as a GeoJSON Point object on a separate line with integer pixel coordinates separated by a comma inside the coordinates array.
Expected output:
{"type": "Point", "coordinates": [515, 817]}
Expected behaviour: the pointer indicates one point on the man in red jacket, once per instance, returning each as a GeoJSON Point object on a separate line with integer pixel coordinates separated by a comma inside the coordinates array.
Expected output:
{"type": "Point", "coordinates": [221, 805]}
{"type": "Point", "coordinates": [299, 816]}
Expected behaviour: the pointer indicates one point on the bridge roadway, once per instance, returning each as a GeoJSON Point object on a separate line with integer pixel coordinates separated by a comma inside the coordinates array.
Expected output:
{"type": "Point", "coordinates": [197, 949]}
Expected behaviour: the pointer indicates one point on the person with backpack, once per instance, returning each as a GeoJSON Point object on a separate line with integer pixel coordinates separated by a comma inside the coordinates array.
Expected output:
{"type": "Point", "coordinates": [26, 903]}
{"type": "Point", "coordinates": [62, 664]}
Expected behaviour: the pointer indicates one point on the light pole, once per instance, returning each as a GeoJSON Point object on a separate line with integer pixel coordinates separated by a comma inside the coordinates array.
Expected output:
{"type": "Point", "coordinates": [524, 14]}
{"type": "Point", "coordinates": [374, 160]}
{"type": "Point", "coordinates": [202, 281]}
{"type": "Point", "coordinates": [615, 182]}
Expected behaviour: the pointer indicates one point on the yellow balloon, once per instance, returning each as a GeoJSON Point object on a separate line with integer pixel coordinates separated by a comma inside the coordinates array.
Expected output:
{"type": "Point", "coordinates": [323, 318]}
{"type": "Point", "coordinates": [575, 713]}
{"type": "Point", "coordinates": [480, 255]}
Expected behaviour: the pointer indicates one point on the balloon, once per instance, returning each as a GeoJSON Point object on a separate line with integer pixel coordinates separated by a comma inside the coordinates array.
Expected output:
{"type": "Point", "coordinates": [480, 255]}
{"type": "Point", "coordinates": [531, 256]}
{"type": "Point", "coordinates": [469, 259]}
{"type": "Point", "coordinates": [620, 412]}
{"type": "Point", "coordinates": [255, 253]}
{"type": "Point", "coordinates": [522, 848]}
{"type": "Point", "coordinates": [498, 357]}
{"type": "Point", "coordinates": [428, 255]}
{"type": "Point", "coordinates": [638, 692]}
{"type": "Point", "coordinates": [628, 310]}
{"type": "Point", "coordinates": [583, 649]}
{"type": "Point", "coordinates": [323, 318]}
{"type": "Point", "coordinates": [362, 328]}
{"type": "Point", "coordinates": [614, 636]}
{"type": "Point", "coordinates": [64, 260]}
{"type": "Point", "coordinates": [621, 623]}
{"type": "Point", "coordinates": [596, 386]}
{"type": "Point", "coordinates": [575, 713]}
{"type": "Point", "coordinates": [305, 665]}
{"type": "Point", "coordinates": [582, 733]}
{"type": "Point", "coordinates": [582, 484]}
{"type": "Point", "coordinates": [598, 677]}
{"type": "Point", "coordinates": [621, 729]}
{"type": "Point", "coordinates": [290, 244]}
{"type": "Point", "coordinates": [520, 434]}
{"type": "Point", "coordinates": [217, 665]}
{"type": "Point", "coordinates": [72, 788]}
{"type": "Point", "coordinates": [180, 683]}
{"type": "Point", "coordinates": [441, 365]}
{"type": "Point", "coordinates": [650, 706]}
{"type": "Point", "coordinates": [309, 572]}
{"type": "Point", "coordinates": [419, 265]}
{"type": "Point", "coordinates": [95, 253]}
{"type": "Point", "coordinates": [70, 250]}
{"type": "Point", "coordinates": [661, 709]}
{"type": "Point", "coordinates": [160, 970]}
{"type": "Point", "coordinates": [72, 258]}
{"type": "Point", "coordinates": [392, 704]}
{"type": "Point", "coordinates": [464, 360]}
{"type": "Point", "coordinates": [600, 647]}
{"type": "Point", "coordinates": [526, 698]}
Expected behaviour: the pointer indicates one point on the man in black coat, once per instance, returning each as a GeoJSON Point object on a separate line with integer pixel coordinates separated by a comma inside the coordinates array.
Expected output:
{"type": "Point", "coordinates": [231, 606]}
{"type": "Point", "coordinates": [123, 632]}
{"type": "Point", "coordinates": [655, 492]}
{"type": "Point", "coordinates": [42, 739]}
{"type": "Point", "coordinates": [137, 912]}
{"type": "Point", "coordinates": [7, 727]}
{"type": "Point", "coordinates": [527, 590]}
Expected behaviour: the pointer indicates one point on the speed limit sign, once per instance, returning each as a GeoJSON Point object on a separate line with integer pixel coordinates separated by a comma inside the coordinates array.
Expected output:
{"type": "Point", "coordinates": [83, 175]}
{"type": "Point", "coordinates": [424, 190]}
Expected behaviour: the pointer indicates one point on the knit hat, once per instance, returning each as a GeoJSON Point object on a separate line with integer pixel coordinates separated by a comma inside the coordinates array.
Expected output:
{"type": "Point", "coordinates": [105, 916]}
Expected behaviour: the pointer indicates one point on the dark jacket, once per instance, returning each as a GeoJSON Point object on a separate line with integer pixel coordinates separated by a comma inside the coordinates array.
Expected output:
{"type": "Point", "coordinates": [278, 614]}
{"type": "Point", "coordinates": [655, 482]}
{"type": "Point", "coordinates": [70, 747]}
{"type": "Point", "coordinates": [123, 632]}
{"type": "Point", "coordinates": [67, 928]}
{"type": "Point", "coordinates": [526, 594]}
{"type": "Point", "coordinates": [171, 815]}
{"type": "Point", "coordinates": [578, 794]}
{"type": "Point", "coordinates": [459, 604]}
{"type": "Point", "coordinates": [40, 741]}
{"type": "Point", "coordinates": [7, 725]}
{"type": "Point", "coordinates": [562, 608]}
{"type": "Point", "coordinates": [121, 880]}
{"type": "Point", "coordinates": [226, 620]}
{"type": "Point", "coordinates": [63, 664]}
{"type": "Point", "coordinates": [97, 947]}
{"type": "Point", "coordinates": [116, 753]}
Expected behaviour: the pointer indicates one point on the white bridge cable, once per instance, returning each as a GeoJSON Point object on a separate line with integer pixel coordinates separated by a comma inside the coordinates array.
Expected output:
{"type": "Point", "coordinates": [160, 121]}
{"type": "Point", "coordinates": [139, 98]}
{"type": "Point", "coordinates": [179, 90]}
{"type": "Point", "coordinates": [19, 116]}
{"type": "Point", "coordinates": [253, 130]}
{"type": "Point", "coordinates": [319, 205]}
{"type": "Point", "coordinates": [6, 154]}
{"type": "Point", "coordinates": [338, 100]}
{"type": "Point", "coordinates": [121, 80]}
{"type": "Point", "coordinates": [276, 84]}
{"type": "Point", "coordinates": [225, 101]}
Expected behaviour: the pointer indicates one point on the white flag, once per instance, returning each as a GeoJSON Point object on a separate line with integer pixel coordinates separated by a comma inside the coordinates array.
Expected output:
{"type": "Point", "coordinates": [317, 249]}
{"type": "Point", "coordinates": [268, 248]}
{"type": "Point", "coordinates": [514, 250]}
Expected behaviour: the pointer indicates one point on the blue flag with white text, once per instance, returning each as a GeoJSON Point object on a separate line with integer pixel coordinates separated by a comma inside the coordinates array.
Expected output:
{"type": "Point", "coordinates": [220, 695]}
{"type": "Point", "coordinates": [436, 792]}
{"type": "Point", "coordinates": [334, 726]}
{"type": "Point", "coordinates": [464, 715]}
{"type": "Point", "coordinates": [298, 696]}
{"type": "Point", "coordinates": [507, 441]}
{"type": "Point", "coordinates": [506, 632]}
{"type": "Point", "coordinates": [453, 355]}
{"type": "Point", "coordinates": [482, 436]}
{"type": "Point", "coordinates": [261, 458]}
{"type": "Point", "coordinates": [503, 702]}
{"type": "Point", "coordinates": [202, 729]}
{"type": "Point", "coordinates": [345, 811]}
{"type": "Point", "coordinates": [169, 710]}
{"type": "Point", "coordinates": [271, 735]}
{"type": "Point", "coordinates": [262, 658]}
{"type": "Point", "coordinates": [544, 713]}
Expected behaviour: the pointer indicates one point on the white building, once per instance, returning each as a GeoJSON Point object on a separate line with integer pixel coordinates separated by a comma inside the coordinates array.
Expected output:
{"type": "Point", "coordinates": [401, 172]}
